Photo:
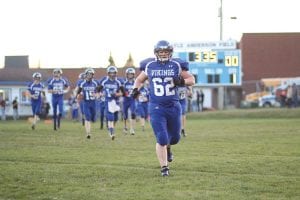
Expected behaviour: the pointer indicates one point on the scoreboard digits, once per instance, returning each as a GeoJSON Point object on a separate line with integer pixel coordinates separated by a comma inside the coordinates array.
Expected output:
{"type": "Point", "coordinates": [214, 67]}
{"type": "Point", "coordinates": [205, 56]}
{"type": "Point", "coordinates": [213, 57]}
{"type": "Point", "coordinates": [231, 61]}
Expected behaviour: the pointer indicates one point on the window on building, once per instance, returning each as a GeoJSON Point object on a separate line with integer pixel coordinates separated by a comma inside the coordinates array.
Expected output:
{"type": "Point", "coordinates": [5, 93]}
{"type": "Point", "coordinates": [25, 99]}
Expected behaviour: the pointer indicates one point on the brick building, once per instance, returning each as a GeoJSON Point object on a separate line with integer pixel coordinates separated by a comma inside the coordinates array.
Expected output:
{"type": "Point", "coordinates": [269, 55]}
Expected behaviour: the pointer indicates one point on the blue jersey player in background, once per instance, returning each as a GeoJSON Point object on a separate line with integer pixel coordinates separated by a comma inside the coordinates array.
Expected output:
{"type": "Point", "coordinates": [36, 91]}
{"type": "Point", "coordinates": [57, 86]}
{"type": "Point", "coordinates": [183, 92]}
{"type": "Point", "coordinates": [128, 101]}
{"type": "Point", "coordinates": [81, 78]}
{"type": "Point", "coordinates": [164, 74]}
{"type": "Point", "coordinates": [112, 87]}
{"type": "Point", "coordinates": [89, 88]}
{"type": "Point", "coordinates": [142, 105]}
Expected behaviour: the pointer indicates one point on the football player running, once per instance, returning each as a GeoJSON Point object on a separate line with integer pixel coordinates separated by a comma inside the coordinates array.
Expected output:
{"type": "Point", "coordinates": [184, 92]}
{"type": "Point", "coordinates": [36, 91]}
{"type": "Point", "coordinates": [81, 78]}
{"type": "Point", "coordinates": [112, 88]}
{"type": "Point", "coordinates": [165, 74]}
{"type": "Point", "coordinates": [89, 88]}
{"type": "Point", "coordinates": [58, 86]}
{"type": "Point", "coordinates": [129, 101]}
{"type": "Point", "coordinates": [142, 105]}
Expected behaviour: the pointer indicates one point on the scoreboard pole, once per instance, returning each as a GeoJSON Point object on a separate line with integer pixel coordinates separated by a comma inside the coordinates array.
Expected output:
{"type": "Point", "coordinates": [221, 97]}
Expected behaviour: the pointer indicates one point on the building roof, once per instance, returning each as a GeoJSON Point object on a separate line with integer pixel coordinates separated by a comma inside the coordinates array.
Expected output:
{"type": "Point", "coordinates": [19, 74]}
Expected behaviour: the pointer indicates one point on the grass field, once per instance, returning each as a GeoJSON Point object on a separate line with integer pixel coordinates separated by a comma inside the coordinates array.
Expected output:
{"type": "Point", "coordinates": [244, 154]}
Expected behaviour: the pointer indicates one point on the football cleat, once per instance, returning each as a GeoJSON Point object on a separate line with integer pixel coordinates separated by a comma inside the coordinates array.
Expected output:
{"type": "Point", "coordinates": [164, 171]}
{"type": "Point", "coordinates": [183, 133]}
{"type": "Point", "coordinates": [112, 137]}
{"type": "Point", "coordinates": [125, 131]}
{"type": "Point", "coordinates": [88, 137]}
{"type": "Point", "coordinates": [132, 132]}
{"type": "Point", "coordinates": [33, 127]}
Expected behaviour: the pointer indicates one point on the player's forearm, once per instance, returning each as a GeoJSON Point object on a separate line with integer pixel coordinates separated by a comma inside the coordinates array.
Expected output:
{"type": "Point", "coordinates": [78, 91]}
{"type": "Point", "coordinates": [137, 84]}
{"type": "Point", "coordinates": [67, 89]}
{"type": "Point", "coordinates": [189, 81]}
{"type": "Point", "coordinates": [139, 81]}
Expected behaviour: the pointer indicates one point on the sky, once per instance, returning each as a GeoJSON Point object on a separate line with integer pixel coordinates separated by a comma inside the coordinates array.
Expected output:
{"type": "Point", "coordinates": [83, 33]}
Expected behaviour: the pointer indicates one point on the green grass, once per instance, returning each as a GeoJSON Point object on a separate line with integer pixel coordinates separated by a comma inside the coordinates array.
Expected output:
{"type": "Point", "coordinates": [241, 154]}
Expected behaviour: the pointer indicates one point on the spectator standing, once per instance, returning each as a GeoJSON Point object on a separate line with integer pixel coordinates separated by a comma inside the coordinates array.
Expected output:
{"type": "Point", "coordinates": [200, 100]}
{"type": "Point", "coordinates": [294, 95]}
{"type": "Point", "coordinates": [15, 105]}
{"type": "Point", "coordinates": [289, 95]}
{"type": "Point", "coordinates": [2, 108]}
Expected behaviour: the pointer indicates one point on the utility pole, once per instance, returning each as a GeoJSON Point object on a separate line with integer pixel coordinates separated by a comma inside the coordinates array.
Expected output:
{"type": "Point", "coordinates": [221, 19]}
{"type": "Point", "coordinates": [221, 89]}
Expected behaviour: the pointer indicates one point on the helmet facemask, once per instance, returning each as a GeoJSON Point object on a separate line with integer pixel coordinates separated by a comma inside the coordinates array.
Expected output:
{"type": "Point", "coordinates": [163, 55]}
{"type": "Point", "coordinates": [163, 51]}
{"type": "Point", "coordinates": [112, 72]}
{"type": "Point", "coordinates": [112, 75]}
{"type": "Point", "coordinates": [57, 73]}
{"type": "Point", "coordinates": [89, 76]}
{"type": "Point", "coordinates": [130, 73]}
{"type": "Point", "coordinates": [37, 77]}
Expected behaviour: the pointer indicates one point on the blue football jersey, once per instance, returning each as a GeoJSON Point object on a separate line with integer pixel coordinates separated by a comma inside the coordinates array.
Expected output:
{"type": "Point", "coordinates": [89, 89]}
{"type": "Point", "coordinates": [79, 81]}
{"type": "Point", "coordinates": [58, 86]}
{"type": "Point", "coordinates": [182, 92]}
{"type": "Point", "coordinates": [110, 87]}
{"type": "Point", "coordinates": [128, 87]}
{"type": "Point", "coordinates": [36, 90]}
{"type": "Point", "coordinates": [160, 75]}
{"type": "Point", "coordinates": [144, 95]}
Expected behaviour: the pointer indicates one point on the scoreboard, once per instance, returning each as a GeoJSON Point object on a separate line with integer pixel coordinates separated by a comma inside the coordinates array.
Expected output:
{"type": "Point", "coordinates": [213, 67]}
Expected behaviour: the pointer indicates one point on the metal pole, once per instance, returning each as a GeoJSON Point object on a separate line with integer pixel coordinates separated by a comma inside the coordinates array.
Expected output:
{"type": "Point", "coordinates": [221, 19]}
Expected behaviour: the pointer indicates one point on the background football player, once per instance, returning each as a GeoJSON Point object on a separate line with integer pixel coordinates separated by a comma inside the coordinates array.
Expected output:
{"type": "Point", "coordinates": [36, 92]}
{"type": "Point", "coordinates": [129, 102]}
{"type": "Point", "coordinates": [89, 88]}
{"type": "Point", "coordinates": [58, 86]}
{"type": "Point", "coordinates": [112, 87]}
